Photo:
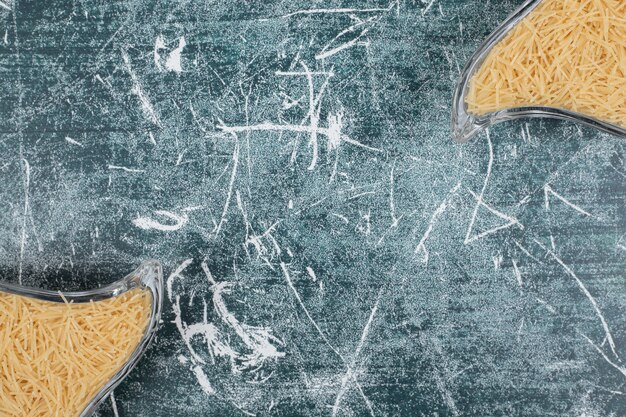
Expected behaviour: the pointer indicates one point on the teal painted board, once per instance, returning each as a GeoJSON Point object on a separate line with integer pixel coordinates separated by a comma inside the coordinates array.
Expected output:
{"type": "Point", "coordinates": [328, 249]}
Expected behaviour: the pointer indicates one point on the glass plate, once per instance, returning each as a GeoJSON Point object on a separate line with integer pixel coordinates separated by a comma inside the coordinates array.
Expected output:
{"type": "Point", "coordinates": [147, 276]}
{"type": "Point", "coordinates": [466, 125]}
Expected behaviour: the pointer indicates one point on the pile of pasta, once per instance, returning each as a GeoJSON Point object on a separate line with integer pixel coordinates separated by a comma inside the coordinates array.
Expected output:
{"type": "Point", "coordinates": [566, 54]}
{"type": "Point", "coordinates": [56, 357]}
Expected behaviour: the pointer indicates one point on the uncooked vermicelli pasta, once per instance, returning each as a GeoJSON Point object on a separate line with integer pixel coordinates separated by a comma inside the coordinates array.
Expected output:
{"type": "Point", "coordinates": [567, 54]}
{"type": "Point", "coordinates": [56, 357]}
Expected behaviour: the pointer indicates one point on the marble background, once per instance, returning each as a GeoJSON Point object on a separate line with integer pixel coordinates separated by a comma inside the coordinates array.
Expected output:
{"type": "Point", "coordinates": [328, 249]}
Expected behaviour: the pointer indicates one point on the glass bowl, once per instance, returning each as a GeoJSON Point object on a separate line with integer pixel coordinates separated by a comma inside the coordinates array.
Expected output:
{"type": "Point", "coordinates": [466, 125]}
{"type": "Point", "coordinates": [148, 276]}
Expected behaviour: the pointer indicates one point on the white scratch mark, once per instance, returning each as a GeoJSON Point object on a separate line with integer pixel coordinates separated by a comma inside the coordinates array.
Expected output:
{"type": "Point", "coordinates": [339, 11]}
{"type": "Point", "coordinates": [621, 369]}
{"type": "Point", "coordinates": [207, 272]}
{"type": "Point", "coordinates": [430, 4]}
{"type": "Point", "coordinates": [497, 261]}
{"type": "Point", "coordinates": [146, 106]}
{"type": "Point", "coordinates": [114, 404]}
{"type": "Point", "coordinates": [306, 311]}
{"type": "Point", "coordinates": [159, 44]}
{"type": "Point", "coordinates": [272, 127]}
{"type": "Point", "coordinates": [350, 371]}
{"type": "Point", "coordinates": [73, 142]}
{"type": "Point", "coordinates": [173, 61]}
{"type": "Point", "coordinates": [328, 74]}
{"type": "Point", "coordinates": [446, 394]}
{"type": "Point", "coordinates": [319, 330]}
{"type": "Point", "coordinates": [519, 330]}
{"type": "Point", "coordinates": [341, 217]}
{"type": "Point", "coordinates": [511, 221]}
{"type": "Point", "coordinates": [546, 305]}
{"type": "Point", "coordinates": [5, 6]}
{"type": "Point", "coordinates": [313, 115]}
{"type": "Point", "coordinates": [347, 45]}
{"type": "Point", "coordinates": [592, 300]}
{"type": "Point", "coordinates": [24, 216]}
{"type": "Point", "coordinates": [548, 190]}
{"type": "Point", "coordinates": [126, 169]}
{"type": "Point", "coordinates": [526, 252]}
{"type": "Point", "coordinates": [392, 203]}
{"type": "Point", "coordinates": [518, 274]}
{"type": "Point", "coordinates": [421, 246]}
{"type": "Point", "coordinates": [231, 184]}
{"type": "Point", "coordinates": [363, 194]}
{"type": "Point", "coordinates": [365, 225]}
{"type": "Point", "coordinates": [325, 53]}
{"type": "Point", "coordinates": [257, 339]}
{"type": "Point", "coordinates": [147, 223]}
{"type": "Point", "coordinates": [482, 192]}
{"type": "Point", "coordinates": [480, 202]}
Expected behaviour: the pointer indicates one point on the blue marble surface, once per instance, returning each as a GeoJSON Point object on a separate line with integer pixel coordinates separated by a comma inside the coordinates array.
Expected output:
{"type": "Point", "coordinates": [328, 249]}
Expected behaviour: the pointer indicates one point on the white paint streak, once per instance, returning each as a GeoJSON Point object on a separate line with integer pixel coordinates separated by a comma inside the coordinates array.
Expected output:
{"type": "Point", "coordinates": [147, 223]}
{"type": "Point", "coordinates": [126, 169]}
{"type": "Point", "coordinates": [203, 380]}
{"type": "Point", "coordinates": [73, 142]}
{"type": "Point", "coordinates": [259, 340]}
{"type": "Point", "coordinates": [174, 275]}
{"type": "Point", "coordinates": [173, 61]}
{"type": "Point", "coordinates": [311, 273]}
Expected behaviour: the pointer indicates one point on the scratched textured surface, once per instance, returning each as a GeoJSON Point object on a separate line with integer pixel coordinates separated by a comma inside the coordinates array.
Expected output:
{"type": "Point", "coordinates": [329, 250]}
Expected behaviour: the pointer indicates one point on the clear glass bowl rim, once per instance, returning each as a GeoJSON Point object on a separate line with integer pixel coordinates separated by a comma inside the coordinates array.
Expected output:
{"type": "Point", "coordinates": [466, 125]}
{"type": "Point", "coordinates": [148, 275]}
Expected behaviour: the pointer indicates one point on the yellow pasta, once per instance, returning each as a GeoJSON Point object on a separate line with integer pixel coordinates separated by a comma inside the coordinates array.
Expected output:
{"type": "Point", "coordinates": [566, 54]}
{"type": "Point", "coordinates": [55, 357]}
